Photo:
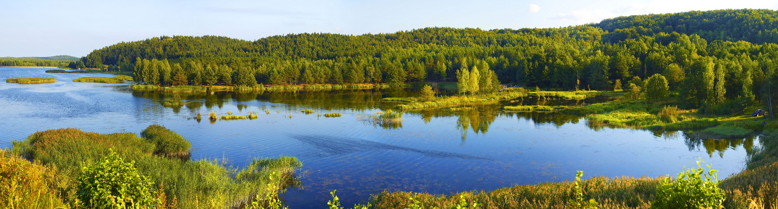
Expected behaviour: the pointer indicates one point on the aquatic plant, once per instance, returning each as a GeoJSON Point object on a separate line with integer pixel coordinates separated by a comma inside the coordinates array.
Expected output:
{"type": "Point", "coordinates": [114, 183]}
{"type": "Point", "coordinates": [388, 116]}
{"type": "Point", "coordinates": [332, 114]}
{"type": "Point", "coordinates": [34, 80]}
{"type": "Point", "coordinates": [456, 101]}
{"type": "Point", "coordinates": [308, 111]}
{"type": "Point", "coordinates": [230, 116]}
{"type": "Point", "coordinates": [99, 80]}
{"type": "Point", "coordinates": [173, 102]}
{"type": "Point", "coordinates": [168, 143]}
{"type": "Point", "coordinates": [212, 116]}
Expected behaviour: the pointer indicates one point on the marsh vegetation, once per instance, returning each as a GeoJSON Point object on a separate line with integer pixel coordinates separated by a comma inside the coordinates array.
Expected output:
{"type": "Point", "coordinates": [34, 80]}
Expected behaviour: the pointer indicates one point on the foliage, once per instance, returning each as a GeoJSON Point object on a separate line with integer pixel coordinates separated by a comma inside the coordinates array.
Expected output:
{"type": "Point", "coordinates": [656, 88]}
{"type": "Point", "coordinates": [166, 142]}
{"type": "Point", "coordinates": [427, 93]}
{"type": "Point", "coordinates": [113, 183]}
{"type": "Point", "coordinates": [692, 189]}
{"type": "Point", "coordinates": [579, 202]}
{"type": "Point", "coordinates": [634, 91]}
{"type": "Point", "coordinates": [213, 186]}
{"type": "Point", "coordinates": [34, 80]}
{"type": "Point", "coordinates": [25, 184]}
{"type": "Point", "coordinates": [617, 85]}
{"type": "Point", "coordinates": [669, 114]}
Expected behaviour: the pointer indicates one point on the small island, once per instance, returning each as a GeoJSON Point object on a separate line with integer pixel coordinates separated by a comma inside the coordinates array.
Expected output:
{"type": "Point", "coordinates": [115, 79]}
{"type": "Point", "coordinates": [34, 80]}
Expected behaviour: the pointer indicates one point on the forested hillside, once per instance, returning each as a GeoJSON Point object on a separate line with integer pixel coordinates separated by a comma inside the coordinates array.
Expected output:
{"type": "Point", "coordinates": [707, 56]}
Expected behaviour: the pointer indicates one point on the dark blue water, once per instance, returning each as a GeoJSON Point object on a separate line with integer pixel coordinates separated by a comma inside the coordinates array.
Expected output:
{"type": "Point", "coordinates": [438, 152]}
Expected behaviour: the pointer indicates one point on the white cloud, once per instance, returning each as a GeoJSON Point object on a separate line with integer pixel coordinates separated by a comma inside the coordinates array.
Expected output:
{"type": "Point", "coordinates": [533, 8]}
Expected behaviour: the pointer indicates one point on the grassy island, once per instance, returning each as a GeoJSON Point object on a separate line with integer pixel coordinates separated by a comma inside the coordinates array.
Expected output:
{"type": "Point", "coordinates": [34, 80]}
{"type": "Point", "coordinates": [115, 79]}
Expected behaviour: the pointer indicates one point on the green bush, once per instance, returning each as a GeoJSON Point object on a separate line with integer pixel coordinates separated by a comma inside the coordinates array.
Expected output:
{"type": "Point", "coordinates": [656, 88]}
{"type": "Point", "coordinates": [693, 189]}
{"type": "Point", "coordinates": [116, 184]}
{"type": "Point", "coordinates": [167, 142]}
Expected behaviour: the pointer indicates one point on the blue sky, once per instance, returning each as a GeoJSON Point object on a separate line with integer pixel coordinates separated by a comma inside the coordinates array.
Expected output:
{"type": "Point", "coordinates": [56, 27]}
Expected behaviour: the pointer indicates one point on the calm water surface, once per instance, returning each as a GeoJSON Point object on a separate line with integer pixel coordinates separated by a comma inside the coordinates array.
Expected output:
{"type": "Point", "coordinates": [433, 151]}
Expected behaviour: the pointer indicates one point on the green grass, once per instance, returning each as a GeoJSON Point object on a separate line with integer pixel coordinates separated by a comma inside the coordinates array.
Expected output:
{"type": "Point", "coordinates": [411, 104]}
{"type": "Point", "coordinates": [116, 79]}
{"type": "Point", "coordinates": [532, 108]}
{"type": "Point", "coordinates": [194, 184]}
{"type": "Point", "coordinates": [34, 80]}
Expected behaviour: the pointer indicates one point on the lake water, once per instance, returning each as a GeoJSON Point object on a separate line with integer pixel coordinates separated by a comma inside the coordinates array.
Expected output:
{"type": "Point", "coordinates": [439, 152]}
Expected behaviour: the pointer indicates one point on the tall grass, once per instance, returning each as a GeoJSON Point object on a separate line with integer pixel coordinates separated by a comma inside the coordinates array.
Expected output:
{"type": "Point", "coordinates": [24, 184]}
{"type": "Point", "coordinates": [189, 184]}
{"type": "Point", "coordinates": [34, 80]}
{"type": "Point", "coordinates": [332, 115]}
{"type": "Point", "coordinates": [100, 79]}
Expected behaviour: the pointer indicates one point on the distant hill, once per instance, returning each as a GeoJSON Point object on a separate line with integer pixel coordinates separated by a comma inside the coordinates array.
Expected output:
{"type": "Point", "coordinates": [58, 57]}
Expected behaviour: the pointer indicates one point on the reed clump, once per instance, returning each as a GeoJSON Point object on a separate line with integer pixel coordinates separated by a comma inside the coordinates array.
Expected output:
{"type": "Point", "coordinates": [100, 79]}
{"type": "Point", "coordinates": [33, 80]}
{"type": "Point", "coordinates": [230, 116]}
{"type": "Point", "coordinates": [213, 116]}
{"type": "Point", "coordinates": [308, 111]}
{"type": "Point", "coordinates": [27, 184]}
{"type": "Point", "coordinates": [168, 143]}
{"type": "Point", "coordinates": [332, 115]}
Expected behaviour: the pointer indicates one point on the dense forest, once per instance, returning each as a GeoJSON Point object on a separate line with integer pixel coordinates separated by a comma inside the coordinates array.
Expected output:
{"type": "Point", "coordinates": [61, 61]}
{"type": "Point", "coordinates": [720, 60]}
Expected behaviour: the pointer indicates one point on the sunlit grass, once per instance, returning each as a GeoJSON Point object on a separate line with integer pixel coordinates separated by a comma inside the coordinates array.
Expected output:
{"type": "Point", "coordinates": [99, 80]}
{"type": "Point", "coordinates": [34, 80]}
{"type": "Point", "coordinates": [456, 101]}
{"type": "Point", "coordinates": [188, 184]}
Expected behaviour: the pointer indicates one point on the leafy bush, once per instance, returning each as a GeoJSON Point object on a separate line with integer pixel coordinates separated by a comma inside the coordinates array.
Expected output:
{"type": "Point", "coordinates": [116, 184]}
{"type": "Point", "coordinates": [634, 91]}
{"type": "Point", "coordinates": [167, 142]}
{"type": "Point", "coordinates": [427, 93]}
{"type": "Point", "coordinates": [579, 202]}
{"type": "Point", "coordinates": [693, 189]}
{"type": "Point", "coordinates": [656, 88]}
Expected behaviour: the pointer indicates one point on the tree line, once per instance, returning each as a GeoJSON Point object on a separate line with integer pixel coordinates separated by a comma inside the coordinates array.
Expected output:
{"type": "Point", "coordinates": [717, 73]}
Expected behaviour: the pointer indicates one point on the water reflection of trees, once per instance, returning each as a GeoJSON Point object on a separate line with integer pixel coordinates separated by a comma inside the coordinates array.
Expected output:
{"type": "Point", "coordinates": [694, 142]}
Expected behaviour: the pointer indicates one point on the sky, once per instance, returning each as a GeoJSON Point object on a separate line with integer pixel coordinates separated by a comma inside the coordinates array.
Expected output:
{"type": "Point", "coordinates": [76, 27]}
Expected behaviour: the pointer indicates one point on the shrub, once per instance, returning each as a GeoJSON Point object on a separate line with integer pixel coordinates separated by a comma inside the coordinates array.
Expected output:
{"type": "Point", "coordinates": [669, 114]}
{"type": "Point", "coordinates": [656, 88]}
{"type": "Point", "coordinates": [634, 91]}
{"type": "Point", "coordinates": [167, 142]}
{"type": "Point", "coordinates": [427, 94]}
{"type": "Point", "coordinates": [116, 184]}
{"type": "Point", "coordinates": [617, 85]}
{"type": "Point", "coordinates": [693, 189]}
